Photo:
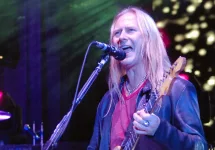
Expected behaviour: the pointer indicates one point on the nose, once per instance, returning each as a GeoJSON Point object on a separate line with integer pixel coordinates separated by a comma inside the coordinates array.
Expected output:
{"type": "Point", "coordinates": [122, 38]}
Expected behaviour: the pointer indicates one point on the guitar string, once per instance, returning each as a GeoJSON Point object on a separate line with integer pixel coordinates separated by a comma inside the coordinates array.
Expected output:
{"type": "Point", "coordinates": [129, 144]}
{"type": "Point", "coordinates": [145, 106]}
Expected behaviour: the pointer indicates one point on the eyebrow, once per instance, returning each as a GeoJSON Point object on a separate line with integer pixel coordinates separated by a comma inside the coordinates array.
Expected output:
{"type": "Point", "coordinates": [128, 26]}
{"type": "Point", "coordinates": [116, 30]}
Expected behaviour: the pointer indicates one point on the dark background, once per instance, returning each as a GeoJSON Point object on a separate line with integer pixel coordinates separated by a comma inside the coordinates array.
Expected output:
{"type": "Point", "coordinates": [43, 44]}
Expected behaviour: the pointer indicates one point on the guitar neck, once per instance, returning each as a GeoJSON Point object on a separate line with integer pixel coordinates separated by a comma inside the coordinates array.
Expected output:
{"type": "Point", "coordinates": [132, 138]}
{"type": "Point", "coordinates": [130, 142]}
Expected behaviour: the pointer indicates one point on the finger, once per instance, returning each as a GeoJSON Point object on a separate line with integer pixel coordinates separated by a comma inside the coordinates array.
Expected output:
{"type": "Point", "coordinates": [152, 118]}
{"type": "Point", "coordinates": [137, 118]}
{"type": "Point", "coordinates": [143, 114]}
{"type": "Point", "coordinates": [139, 126]}
{"type": "Point", "coordinates": [139, 131]}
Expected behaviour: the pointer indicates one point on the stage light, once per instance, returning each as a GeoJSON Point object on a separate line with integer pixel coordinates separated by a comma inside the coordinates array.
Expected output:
{"type": "Point", "coordinates": [4, 114]}
{"type": "Point", "coordinates": [191, 8]}
{"type": "Point", "coordinates": [202, 52]}
{"type": "Point", "coordinates": [210, 123]}
{"type": "Point", "coordinates": [178, 47]}
{"type": "Point", "coordinates": [160, 24]}
{"type": "Point", "coordinates": [197, 73]}
{"type": "Point", "coordinates": [189, 68]}
{"type": "Point", "coordinates": [190, 46]}
{"type": "Point", "coordinates": [207, 87]}
{"type": "Point", "coordinates": [174, 12]}
{"type": "Point", "coordinates": [210, 38]}
{"type": "Point", "coordinates": [184, 50]}
{"type": "Point", "coordinates": [1, 97]}
{"type": "Point", "coordinates": [203, 25]}
{"type": "Point", "coordinates": [195, 26]}
{"type": "Point", "coordinates": [197, 1]}
{"type": "Point", "coordinates": [211, 81]}
{"type": "Point", "coordinates": [176, 6]}
{"type": "Point", "coordinates": [209, 69]}
{"type": "Point", "coordinates": [1, 94]}
{"type": "Point", "coordinates": [166, 10]}
{"type": "Point", "coordinates": [188, 26]}
{"type": "Point", "coordinates": [156, 3]}
{"type": "Point", "coordinates": [179, 37]}
{"type": "Point", "coordinates": [202, 18]}
{"type": "Point", "coordinates": [208, 5]}
{"type": "Point", "coordinates": [182, 21]}
{"type": "Point", "coordinates": [193, 34]}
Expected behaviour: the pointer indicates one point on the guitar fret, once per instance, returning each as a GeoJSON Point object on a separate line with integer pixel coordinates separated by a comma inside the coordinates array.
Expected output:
{"type": "Point", "coordinates": [133, 138]}
{"type": "Point", "coordinates": [130, 144]}
{"type": "Point", "coordinates": [127, 148]}
{"type": "Point", "coordinates": [150, 104]}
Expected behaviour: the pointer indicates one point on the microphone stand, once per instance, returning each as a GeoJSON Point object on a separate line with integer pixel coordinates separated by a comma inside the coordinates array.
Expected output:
{"type": "Point", "coordinates": [60, 128]}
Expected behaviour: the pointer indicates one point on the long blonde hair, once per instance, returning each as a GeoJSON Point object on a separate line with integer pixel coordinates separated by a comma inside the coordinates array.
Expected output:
{"type": "Point", "coordinates": [154, 56]}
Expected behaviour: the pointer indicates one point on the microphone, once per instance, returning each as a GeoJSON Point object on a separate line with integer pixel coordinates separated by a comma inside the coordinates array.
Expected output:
{"type": "Point", "coordinates": [30, 131]}
{"type": "Point", "coordinates": [118, 54]}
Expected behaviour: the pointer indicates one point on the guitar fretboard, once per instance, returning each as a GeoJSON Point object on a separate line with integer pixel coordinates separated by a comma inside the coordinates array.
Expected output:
{"type": "Point", "coordinates": [131, 137]}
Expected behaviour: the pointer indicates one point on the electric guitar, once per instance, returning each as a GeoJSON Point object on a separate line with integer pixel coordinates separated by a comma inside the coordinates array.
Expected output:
{"type": "Point", "coordinates": [154, 102]}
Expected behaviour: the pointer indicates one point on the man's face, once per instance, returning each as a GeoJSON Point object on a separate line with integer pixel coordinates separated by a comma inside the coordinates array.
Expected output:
{"type": "Point", "coordinates": [127, 35]}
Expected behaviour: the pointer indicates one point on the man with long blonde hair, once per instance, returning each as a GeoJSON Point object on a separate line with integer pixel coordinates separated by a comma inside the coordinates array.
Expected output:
{"type": "Point", "coordinates": [125, 119]}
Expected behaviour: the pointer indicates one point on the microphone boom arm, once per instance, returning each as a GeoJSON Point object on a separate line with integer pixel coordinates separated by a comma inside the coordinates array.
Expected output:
{"type": "Point", "coordinates": [91, 79]}
{"type": "Point", "coordinates": [60, 128]}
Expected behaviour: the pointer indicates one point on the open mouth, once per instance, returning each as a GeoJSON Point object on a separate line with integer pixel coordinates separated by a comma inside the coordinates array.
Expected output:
{"type": "Point", "coordinates": [126, 48]}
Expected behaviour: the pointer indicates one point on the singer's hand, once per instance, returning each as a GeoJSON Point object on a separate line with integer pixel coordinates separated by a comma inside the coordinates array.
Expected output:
{"type": "Point", "coordinates": [145, 123]}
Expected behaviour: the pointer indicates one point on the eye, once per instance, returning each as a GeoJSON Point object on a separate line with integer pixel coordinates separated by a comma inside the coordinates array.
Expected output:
{"type": "Point", "coordinates": [116, 33]}
{"type": "Point", "coordinates": [131, 30]}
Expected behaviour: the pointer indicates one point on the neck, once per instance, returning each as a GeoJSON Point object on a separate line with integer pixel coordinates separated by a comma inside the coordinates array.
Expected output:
{"type": "Point", "coordinates": [135, 78]}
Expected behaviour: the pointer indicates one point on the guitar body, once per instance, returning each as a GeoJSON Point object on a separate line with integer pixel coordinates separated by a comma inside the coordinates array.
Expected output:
{"type": "Point", "coordinates": [154, 102]}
